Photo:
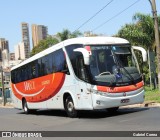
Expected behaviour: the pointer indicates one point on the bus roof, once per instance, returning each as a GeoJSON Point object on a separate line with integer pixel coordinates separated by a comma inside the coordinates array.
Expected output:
{"type": "Point", "coordinates": [96, 40]}
{"type": "Point", "coordinates": [81, 40]}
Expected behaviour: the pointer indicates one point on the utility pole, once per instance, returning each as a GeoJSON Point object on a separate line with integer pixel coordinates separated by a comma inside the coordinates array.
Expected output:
{"type": "Point", "coordinates": [156, 28]}
{"type": "Point", "coordinates": [2, 83]}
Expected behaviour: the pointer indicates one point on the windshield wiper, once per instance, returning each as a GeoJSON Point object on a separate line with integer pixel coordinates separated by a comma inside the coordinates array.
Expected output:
{"type": "Point", "coordinates": [119, 63]}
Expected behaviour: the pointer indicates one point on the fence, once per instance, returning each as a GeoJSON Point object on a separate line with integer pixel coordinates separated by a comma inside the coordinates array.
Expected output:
{"type": "Point", "coordinates": [8, 96]}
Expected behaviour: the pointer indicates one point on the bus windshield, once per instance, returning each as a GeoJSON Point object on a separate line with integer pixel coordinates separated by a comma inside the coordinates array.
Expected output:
{"type": "Point", "coordinates": [113, 65]}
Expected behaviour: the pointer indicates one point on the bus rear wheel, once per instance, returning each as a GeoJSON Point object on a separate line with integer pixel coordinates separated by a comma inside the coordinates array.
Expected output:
{"type": "Point", "coordinates": [69, 107]}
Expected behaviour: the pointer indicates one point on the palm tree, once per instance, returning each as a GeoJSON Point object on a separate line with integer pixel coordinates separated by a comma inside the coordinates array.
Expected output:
{"type": "Point", "coordinates": [66, 34]}
{"type": "Point", "coordinates": [146, 26]}
{"type": "Point", "coordinates": [140, 33]}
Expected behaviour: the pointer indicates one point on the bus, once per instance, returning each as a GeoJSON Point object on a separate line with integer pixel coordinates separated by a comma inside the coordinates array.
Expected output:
{"type": "Point", "coordinates": [85, 73]}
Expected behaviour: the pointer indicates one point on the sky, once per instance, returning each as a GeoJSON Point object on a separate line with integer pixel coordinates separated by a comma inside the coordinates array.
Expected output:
{"type": "Point", "coordinates": [68, 14]}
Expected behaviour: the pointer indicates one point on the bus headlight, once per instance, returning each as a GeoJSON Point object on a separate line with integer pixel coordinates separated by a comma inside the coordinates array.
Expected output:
{"type": "Point", "coordinates": [103, 93]}
{"type": "Point", "coordinates": [100, 93]}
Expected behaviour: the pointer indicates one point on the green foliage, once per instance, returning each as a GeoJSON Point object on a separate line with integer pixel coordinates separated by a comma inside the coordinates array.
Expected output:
{"type": "Point", "coordinates": [48, 42]}
{"type": "Point", "coordinates": [152, 95]}
{"type": "Point", "coordinates": [44, 44]}
{"type": "Point", "coordinates": [141, 33]}
{"type": "Point", "coordinates": [66, 34]}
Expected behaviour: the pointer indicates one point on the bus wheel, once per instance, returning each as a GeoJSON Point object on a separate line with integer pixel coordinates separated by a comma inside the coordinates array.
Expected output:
{"type": "Point", "coordinates": [25, 107]}
{"type": "Point", "coordinates": [69, 107]}
{"type": "Point", "coordinates": [112, 110]}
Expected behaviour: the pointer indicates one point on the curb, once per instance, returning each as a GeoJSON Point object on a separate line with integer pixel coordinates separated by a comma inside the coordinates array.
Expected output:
{"type": "Point", "coordinates": [147, 104]}
{"type": "Point", "coordinates": [8, 105]}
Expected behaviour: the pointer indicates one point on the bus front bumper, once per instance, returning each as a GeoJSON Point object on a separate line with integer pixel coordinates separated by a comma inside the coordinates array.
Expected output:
{"type": "Point", "coordinates": [128, 98]}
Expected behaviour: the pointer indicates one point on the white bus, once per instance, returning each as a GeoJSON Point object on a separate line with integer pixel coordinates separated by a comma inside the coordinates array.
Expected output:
{"type": "Point", "coordinates": [84, 73]}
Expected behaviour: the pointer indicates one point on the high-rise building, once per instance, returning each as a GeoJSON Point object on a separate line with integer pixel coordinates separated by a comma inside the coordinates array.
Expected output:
{"type": "Point", "coordinates": [39, 32]}
{"type": "Point", "coordinates": [25, 39]}
{"type": "Point", "coordinates": [4, 52]}
{"type": "Point", "coordinates": [20, 51]}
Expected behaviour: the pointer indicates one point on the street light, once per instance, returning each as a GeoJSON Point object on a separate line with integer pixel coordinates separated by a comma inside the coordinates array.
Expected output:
{"type": "Point", "coordinates": [156, 28]}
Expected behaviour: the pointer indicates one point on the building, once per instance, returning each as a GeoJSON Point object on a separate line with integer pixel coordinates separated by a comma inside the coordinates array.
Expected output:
{"type": "Point", "coordinates": [39, 32]}
{"type": "Point", "coordinates": [20, 51]}
{"type": "Point", "coordinates": [25, 39]}
{"type": "Point", "coordinates": [12, 56]}
{"type": "Point", "coordinates": [4, 52]}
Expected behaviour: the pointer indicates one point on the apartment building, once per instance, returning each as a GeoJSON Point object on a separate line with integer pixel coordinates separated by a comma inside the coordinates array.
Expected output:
{"type": "Point", "coordinates": [39, 32]}
{"type": "Point", "coordinates": [25, 39]}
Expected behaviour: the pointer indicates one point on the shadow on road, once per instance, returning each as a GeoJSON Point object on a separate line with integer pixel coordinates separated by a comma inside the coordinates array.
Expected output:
{"type": "Point", "coordinates": [96, 114]}
{"type": "Point", "coordinates": [104, 114]}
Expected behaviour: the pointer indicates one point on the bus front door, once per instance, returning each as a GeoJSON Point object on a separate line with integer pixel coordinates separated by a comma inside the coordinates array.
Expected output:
{"type": "Point", "coordinates": [84, 87]}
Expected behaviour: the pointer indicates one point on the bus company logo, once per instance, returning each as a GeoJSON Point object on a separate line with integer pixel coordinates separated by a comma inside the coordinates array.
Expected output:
{"type": "Point", "coordinates": [29, 85]}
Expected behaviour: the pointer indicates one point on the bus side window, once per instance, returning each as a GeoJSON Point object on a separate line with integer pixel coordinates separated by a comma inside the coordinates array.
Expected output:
{"type": "Point", "coordinates": [13, 76]}
{"type": "Point", "coordinates": [29, 71]}
{"type": "Point", "coordinates": [34, 71]}
{"type": "Point", "coordinates": [73, 55]}
{"type": "Point", "coordinates": [23, 73]}
{"type": "Point", "coordinates": [39, 67]}
{"type": "Point", "coordinates": [49, 64]}
{"type": "Point", "coordinates": [81, 71]}
{"type": "Point", "coordinates": [19, 77]}
{"type": "Point", "coordinates": [59, 61]}
{"type": "Point", "coordinates": [43, 66]}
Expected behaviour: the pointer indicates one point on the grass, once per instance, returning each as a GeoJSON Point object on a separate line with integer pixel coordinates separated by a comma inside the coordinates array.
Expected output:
{"type": "Point", "coordinates": [152, 95]}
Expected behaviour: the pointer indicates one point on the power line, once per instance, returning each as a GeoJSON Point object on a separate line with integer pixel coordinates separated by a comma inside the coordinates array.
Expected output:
{"type": "Point", "coordinates": [115, 16]}
{"type": "Point", "coordinates": [93, 16]}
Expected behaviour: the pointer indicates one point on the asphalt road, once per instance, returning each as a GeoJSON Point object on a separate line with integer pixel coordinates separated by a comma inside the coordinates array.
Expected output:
{"type": "Point", "coordinates": [126, 119]}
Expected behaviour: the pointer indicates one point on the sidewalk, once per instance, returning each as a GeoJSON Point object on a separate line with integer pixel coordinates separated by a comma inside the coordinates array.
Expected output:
{"type": "Point", "coordinates": [145, 104]}
{"type": "Point", "coordinates": [7, 106]}
{"type": "Point", "coordinates": [9, 103]}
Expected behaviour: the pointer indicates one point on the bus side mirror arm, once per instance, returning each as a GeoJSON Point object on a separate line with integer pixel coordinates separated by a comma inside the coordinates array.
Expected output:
{"type": "Point", "coordinates": [85, 54]}
{"type": "Point", "coordinates": [143, 51]}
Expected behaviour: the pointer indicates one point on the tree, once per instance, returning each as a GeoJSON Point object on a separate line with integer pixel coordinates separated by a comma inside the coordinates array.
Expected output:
{"type": "Point", "coordinates": [140, 33]}
{"type": "Point", "coordinates": [146, 26]}
{"type": "Point", "coordinates": [66, 34]}
{"type": "Point", "coordinates": [44, 44]}
{"type": "Point", "coordinates": [49, 41]}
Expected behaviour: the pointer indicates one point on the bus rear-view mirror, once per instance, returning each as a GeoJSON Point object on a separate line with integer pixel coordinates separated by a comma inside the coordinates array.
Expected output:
{"type": "Point", "coordinates": [143, 51]}
{"type": "Point", "coordinates": [85, 54]}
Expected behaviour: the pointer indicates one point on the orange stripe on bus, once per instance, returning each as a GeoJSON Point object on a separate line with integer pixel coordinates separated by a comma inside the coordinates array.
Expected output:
{"type": "Point", "coordinates": [39, 89]}
{"type": "Point", "coordinates": [120, 89]}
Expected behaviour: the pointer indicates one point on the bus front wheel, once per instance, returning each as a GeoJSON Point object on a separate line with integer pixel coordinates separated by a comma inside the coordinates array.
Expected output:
{"type": "Point", "coordinates": [25, 107]}
{"type": "Point", "coordinates": [69, 107]}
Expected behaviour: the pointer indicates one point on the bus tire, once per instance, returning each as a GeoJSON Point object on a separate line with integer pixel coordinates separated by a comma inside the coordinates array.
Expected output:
{"type": "Point", "coordinates": [112, 110]}
{"type": "Point", "coordinates": [25, 107]}
{"type": "Point", "coordinates": [69, 107]}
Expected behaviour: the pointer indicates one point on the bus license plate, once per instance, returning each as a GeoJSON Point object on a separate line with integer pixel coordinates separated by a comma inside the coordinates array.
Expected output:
{"type": "Point", "coordinates": [124, 100]}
